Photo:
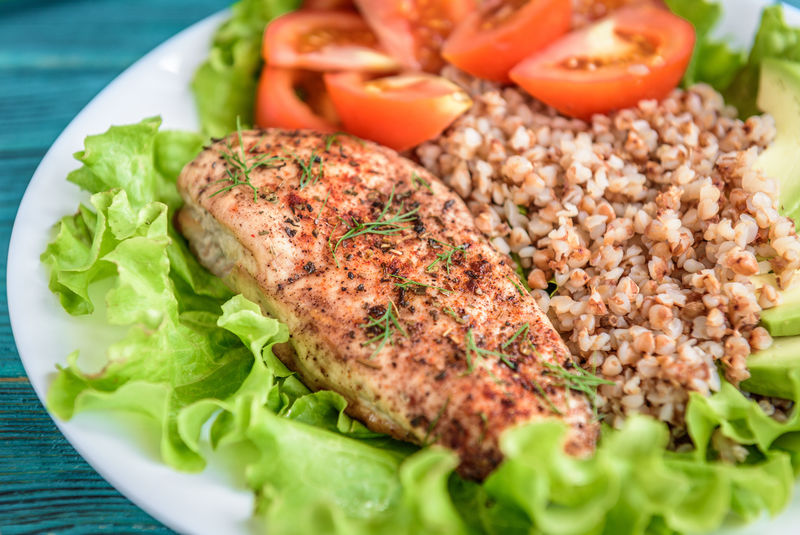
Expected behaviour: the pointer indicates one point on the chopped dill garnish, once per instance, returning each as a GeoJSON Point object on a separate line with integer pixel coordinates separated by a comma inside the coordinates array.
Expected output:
{"type": "Point", "coordinates": [541, 392]}
{"type": "Point", "coordinates": [446, 256]}
{"type": "Point", "coordinates": [435, 421]}
{"type": "Point", "coordinates": [383, 225]}
{"type": "Point", "coordinates": [516, 285]}
{"type": "Point", "coordinates": [330, 139]}
{"type": "Point", "coordinates": [484, 425]}
{"type": "Point", "coordinates": [523, 277]}
{"type": "Point", "coordinates": [470, 348]}
{"type": "Point", "coordinates": [387, 325]}
{"type": "Point", "coordinates": [408, 283]}
{"type": "Point", "coordinates": [552, 287]}
{"type": "Point", "coordinates": [419, 181]}
{"type": "Point", "coordinates": [243, 164]}
{"type": "Point", "coordinates": [330, 241]}
{"type": "Point", "coordinates": [324, 203]}
{"type": "Point", "coordinates": [523, 210]}
{"type": "Point", "coordinates": [452, 313]}
{"type": "Point", "coordinates": [578, 380]}
{"type": "Point", "coordinates": [521, 330]}
{"type": "Point", "coordinates": [309, 176]}
{"type": "Point", "coordinates": [480, 353]}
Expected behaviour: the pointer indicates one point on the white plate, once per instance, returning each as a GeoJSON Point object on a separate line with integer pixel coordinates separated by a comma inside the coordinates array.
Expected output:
{"type": "Point", "coordinates": [158, 84]}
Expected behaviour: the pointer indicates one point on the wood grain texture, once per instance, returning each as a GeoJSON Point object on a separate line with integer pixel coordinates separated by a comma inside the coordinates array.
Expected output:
{"type": "Point", "coordinates": [54, 57]}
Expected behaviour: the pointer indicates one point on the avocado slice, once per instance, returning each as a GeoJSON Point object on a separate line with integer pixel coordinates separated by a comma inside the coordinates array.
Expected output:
{"type": "Point", "coordinates": [784, 319]}
{"type": "Point", "coordinates": [775, 371]}
{"type": "Point", "coordinates": [779, 95]}
{"type": "Point", "coordinates": [770, 368]}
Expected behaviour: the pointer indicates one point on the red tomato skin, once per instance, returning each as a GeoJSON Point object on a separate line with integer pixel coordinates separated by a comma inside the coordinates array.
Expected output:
{"type": "Point", "coordinates": [490, 54]}
{"type": "Point", "coordinates": [582, 94]}
{"type": "Point", "coordinates": [277, 104]}
{"type": "Point", "coordinates": [590, 10]}
{"type": "Point", "coordinates": [327, 5]}
{"type": "Point", "coordinates": [391, 22]}
{"type": "Point", "coordinates": [394, 121]}
{"type": "Point", "coordinates": [280, 49]}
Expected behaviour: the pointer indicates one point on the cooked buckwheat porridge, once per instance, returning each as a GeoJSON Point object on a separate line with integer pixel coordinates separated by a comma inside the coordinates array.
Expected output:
{"type": "Point", "coordinates": [646, 225]}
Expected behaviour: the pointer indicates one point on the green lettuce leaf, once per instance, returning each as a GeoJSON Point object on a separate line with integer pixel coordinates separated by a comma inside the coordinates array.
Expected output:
{"type": "Point", "coordinates": [633, 484]}
{"type": "Point", "coordinates": [774, 39]}
{"type": "Point", "coordinates": [131, 170]}
{"type": "Point", "coordinates": [224, 85]}
{"type": "Point", "coordinates": [140, 158]}
{"type": "Point", "coordinates": [713, 61]}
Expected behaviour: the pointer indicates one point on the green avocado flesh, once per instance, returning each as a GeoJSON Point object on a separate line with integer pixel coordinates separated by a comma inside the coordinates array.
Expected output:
{"type": "Point", "coordinates": [769, 368]}
{"type": "Point", "coordinates": [783, 320]}
{"type": "Point", "coordinates": [779, 95]}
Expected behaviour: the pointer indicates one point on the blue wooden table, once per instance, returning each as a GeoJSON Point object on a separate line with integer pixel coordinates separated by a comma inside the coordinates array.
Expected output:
{"type": "Point", "coordinates": [54, 56]}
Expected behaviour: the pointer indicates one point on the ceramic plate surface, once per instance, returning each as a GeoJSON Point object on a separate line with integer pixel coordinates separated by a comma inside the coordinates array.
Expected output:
{"type": "Point", "coordinates": [119, 447]}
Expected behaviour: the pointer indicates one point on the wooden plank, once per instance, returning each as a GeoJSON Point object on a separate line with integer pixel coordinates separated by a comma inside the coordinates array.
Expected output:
{"type": "Point", "coordinates": [45, 486]}
{"type": "Point", "coordinates": [54, 57]}
{"type": "Point", "coordinates": [16, 173]}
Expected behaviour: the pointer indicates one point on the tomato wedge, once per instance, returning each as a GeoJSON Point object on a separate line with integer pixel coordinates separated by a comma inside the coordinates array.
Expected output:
{"type": "Point", "coordinates": [413, 30]}
{"type": "Point", "coordinates": [397, 111]}
{"type": "Point", "coordinates": [590, 10]}
{"type": "Point", "coordinates": [490, 41]}
{"type": "Point", "coordinates": [324, 40]}
{"type": "Point", "coordinates": [327, 4]}
{"type": "Point", "coordinates": [636, 53]}
{"type": "Point", "coordinates": [278, 102]}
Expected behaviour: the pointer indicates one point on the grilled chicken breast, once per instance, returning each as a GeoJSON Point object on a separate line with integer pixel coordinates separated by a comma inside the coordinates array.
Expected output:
{"type": "Point", "coordinates": [392, 296]}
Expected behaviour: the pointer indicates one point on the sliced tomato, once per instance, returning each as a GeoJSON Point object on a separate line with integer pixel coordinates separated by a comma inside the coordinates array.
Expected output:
{"type": "Point", "coordinates": [636, 53]}
{"type": "Point", "coordinates": [589, 10]}
{"type": "Point", "coordinates": [327, 5]}
{"type": "Point", "coordinates": [413, 30]}
{"type": "Point", "coordinates": [324, 40]}
{"type": "Point", "coordinates": [279, 103]}
{"type": "Point", "coordinates": [490, 41]}
{"type": "Point", "coordinates": [397, 111]}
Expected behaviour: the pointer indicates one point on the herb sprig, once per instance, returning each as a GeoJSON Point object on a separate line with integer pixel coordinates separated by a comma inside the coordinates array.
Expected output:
{"type": "Point", "coordinates": [516, 285]}
{"type": "Point", "coordinates": [577, 379]}
{"type": "Point", "coordinates": [479, 353]}
{"type": "Point", "coordinates": [419, 181]}
{"type": "Point", "coordinates": [309, 175]}
{"type": "Point", "coordinates": [435, 421]}
{"type": "Point", "coordinates": [552, 287]}
{"type": "Point", "coordinates": [543, 394]}
{"type": "Point", "coordinates": [523, 277]}
{"type": "Point", "coordinates": [407, 284]}
{"type": "Point", "coordinates": [330, 139]}
{"type": "Point", "coordinates": [387, 324]}
{"type": "Point", "coordinates": [452, 313]}
{"type": "Point", "coordinates": [322, 208]}
{"type": "Point", "coordinates": [383, 225]}
{"type": "Point", "coordinates": [240, 164]}
{"type": "Point", "coordinates": [446, 256]}
{"type": "Point", "coordinates": [524, 329]}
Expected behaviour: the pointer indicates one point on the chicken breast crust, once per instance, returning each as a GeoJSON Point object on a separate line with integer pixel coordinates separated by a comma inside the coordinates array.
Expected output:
{"type": "Point", "coordinates": [392, 296]}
